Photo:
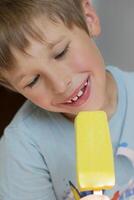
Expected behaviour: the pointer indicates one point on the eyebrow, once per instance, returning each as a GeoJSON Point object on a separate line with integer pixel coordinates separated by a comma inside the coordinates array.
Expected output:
{"type": "Point", "coordinates": [54, 43]}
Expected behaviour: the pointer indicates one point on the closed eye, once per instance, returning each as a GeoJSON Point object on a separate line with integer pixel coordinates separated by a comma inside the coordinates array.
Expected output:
{"type": "Point", "coordinates": [62, 54]}
{"type": "Point", "coordinates": [33, 82]}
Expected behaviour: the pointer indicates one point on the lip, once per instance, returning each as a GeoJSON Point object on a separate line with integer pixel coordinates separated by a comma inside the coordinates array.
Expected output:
{"type": "Point", "coordinates": [76, 91]}
{"type": "Point", "coordinates": [82, 99]}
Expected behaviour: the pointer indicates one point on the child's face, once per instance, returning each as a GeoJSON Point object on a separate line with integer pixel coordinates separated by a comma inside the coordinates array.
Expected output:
{"type": "Point", "coordinates": [59, 70]}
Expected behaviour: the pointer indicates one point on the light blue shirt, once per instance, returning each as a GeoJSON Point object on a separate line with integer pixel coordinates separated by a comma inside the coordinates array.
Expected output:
{"type": "Point", "coordinates": [37, 150]}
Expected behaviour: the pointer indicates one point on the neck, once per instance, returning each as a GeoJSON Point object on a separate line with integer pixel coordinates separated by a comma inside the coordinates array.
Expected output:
{"type": "Point", "coordinates": [110, 104]}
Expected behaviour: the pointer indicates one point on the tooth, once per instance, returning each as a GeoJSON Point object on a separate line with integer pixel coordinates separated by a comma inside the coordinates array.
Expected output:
{"type": "Point", "coordinates": [69, 101]}
{"type": "Point", "coordinates": [75, 98]}
{"type": "Point", "coordinates": [86, 83]}
{"type": "Point", "coordinates": [80, 93]}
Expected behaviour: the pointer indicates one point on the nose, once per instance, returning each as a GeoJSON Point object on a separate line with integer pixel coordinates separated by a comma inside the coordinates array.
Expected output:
{"type": "Point", "coordinates": [59, 83]}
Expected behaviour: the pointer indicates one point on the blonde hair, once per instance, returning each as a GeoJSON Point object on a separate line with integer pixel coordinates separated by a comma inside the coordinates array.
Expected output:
{"type": "Point", "coordinates": [16, 20]}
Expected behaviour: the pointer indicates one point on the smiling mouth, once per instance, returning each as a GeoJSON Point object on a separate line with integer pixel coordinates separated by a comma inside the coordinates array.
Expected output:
{"type": "Point", "coordinates": [81, 96]}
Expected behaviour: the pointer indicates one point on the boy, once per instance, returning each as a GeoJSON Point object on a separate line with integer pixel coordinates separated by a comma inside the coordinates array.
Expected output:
{"type": "Point", "coordinates": [48, 55]}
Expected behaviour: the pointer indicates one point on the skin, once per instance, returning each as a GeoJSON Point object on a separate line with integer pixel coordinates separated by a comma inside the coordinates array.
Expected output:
{"type": "Point", "coordinates": [62, 67]}
{"type": "Point", "coordinates": [95, 197]}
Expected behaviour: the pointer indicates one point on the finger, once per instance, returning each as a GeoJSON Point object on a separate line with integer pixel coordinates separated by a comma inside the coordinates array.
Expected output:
{"type": "Point", "coordinates": [95, 197]}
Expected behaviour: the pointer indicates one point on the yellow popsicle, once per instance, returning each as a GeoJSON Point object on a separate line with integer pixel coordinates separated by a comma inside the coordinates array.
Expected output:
{"type": "Point", "coordinates": [94, 154]}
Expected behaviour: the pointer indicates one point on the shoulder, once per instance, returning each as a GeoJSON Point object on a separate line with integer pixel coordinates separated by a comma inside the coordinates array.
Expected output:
{"type": "Point", "coordinates": [22, 159]}
{"type": "Point", "coordinates": [123, 77]}
{"type": "Point", "coordinates": [31, 125]}
{"type": "Point", "coordinates": [28, 113]}
{"type": "Point", "coordinates": [30, 119]}
{"type": "Point", "coordinates": [120, 72]}
{"type": "Point", "coordinates": [27, 136]}
{"type": "Point", "coordinates": [34, 126]}
{"type": "Point", "coordinates": [126, 81]}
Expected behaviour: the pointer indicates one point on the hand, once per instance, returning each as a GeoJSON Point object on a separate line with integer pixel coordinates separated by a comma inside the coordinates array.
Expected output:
{"type": "Point", "coordinates": [95, 197]}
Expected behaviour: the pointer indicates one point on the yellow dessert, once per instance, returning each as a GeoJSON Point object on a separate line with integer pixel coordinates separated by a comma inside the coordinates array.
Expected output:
{"type": "Point", "coordinates": [94, 154]}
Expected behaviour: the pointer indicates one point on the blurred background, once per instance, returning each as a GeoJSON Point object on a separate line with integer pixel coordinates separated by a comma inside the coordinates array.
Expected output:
{"type": "Point", "coordinates": [9, 104]}
{"type": "Point", "coordinates": [116, 43]}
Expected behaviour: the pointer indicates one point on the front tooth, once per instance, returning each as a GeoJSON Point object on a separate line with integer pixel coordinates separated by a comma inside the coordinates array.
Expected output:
{"type": "Point", "coordinates": [86, 84]}
{"type": "Point", "coordinates": [80, 93]}
{"type": "Point", "coordinates": [75, 98]}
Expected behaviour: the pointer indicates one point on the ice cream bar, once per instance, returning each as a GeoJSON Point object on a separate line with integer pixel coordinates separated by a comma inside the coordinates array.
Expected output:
{"type": "Point", "coordinates": [94, 155]}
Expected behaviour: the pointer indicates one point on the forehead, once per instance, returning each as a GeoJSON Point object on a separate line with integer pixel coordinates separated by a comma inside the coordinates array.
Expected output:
{"type": "Point", "coordinates": [50, 33]}
{"type": "Point", "coordinates": [49, 29]}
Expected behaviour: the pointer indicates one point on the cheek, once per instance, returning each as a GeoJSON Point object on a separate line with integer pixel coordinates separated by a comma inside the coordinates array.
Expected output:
{"type": "Point", "coordinates": [85, 59]}
{"type": "Point", "coordinates": [39, 98]}
{"type": "Point", "coordinates": [43, 103]}
{"type": "Point", "coordinates": [79, 62]}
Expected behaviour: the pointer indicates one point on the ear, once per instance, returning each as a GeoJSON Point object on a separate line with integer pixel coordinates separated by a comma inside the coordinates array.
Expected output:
{"type": "Point", "coordinates": [91, 18]}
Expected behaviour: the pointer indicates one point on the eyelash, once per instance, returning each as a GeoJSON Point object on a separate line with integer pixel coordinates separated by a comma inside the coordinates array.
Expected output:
{"type": "Point", "coordinates": [30, 85]}
{"type": "Point", "coordinates": [62, 54]}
